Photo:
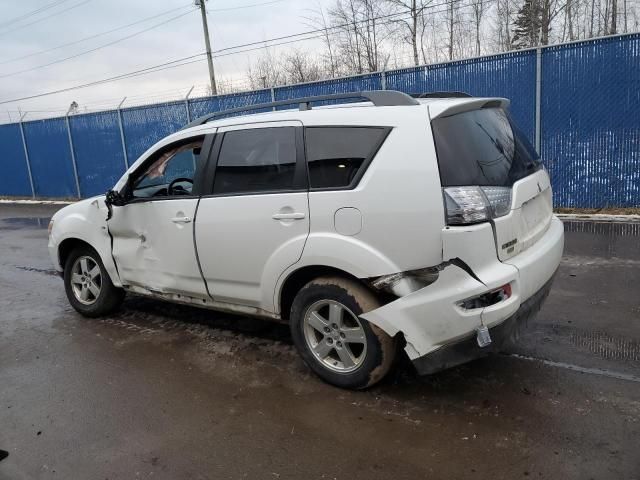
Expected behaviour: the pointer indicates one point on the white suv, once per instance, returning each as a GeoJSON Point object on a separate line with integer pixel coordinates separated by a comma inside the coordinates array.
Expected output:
{"type": "Point", "coordinates": [424, 223]}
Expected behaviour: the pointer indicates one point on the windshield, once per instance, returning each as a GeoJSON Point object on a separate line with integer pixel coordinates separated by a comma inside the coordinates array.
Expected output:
{"type": "Point", "coordinates": [482, 147]}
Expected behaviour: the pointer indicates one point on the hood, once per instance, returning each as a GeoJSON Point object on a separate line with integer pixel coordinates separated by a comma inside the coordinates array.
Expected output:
{"type": "Point", "coordinates": [82, 206]}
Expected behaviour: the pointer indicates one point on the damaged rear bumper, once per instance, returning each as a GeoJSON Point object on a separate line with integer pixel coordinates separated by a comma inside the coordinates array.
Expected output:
{"type": "Point", "coordinates": [468, 349]}
{"type": "Point", "coordinates": [438, 316]}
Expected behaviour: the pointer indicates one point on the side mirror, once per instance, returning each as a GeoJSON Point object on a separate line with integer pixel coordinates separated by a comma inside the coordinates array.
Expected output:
{"type": "Point", "coordinates": [113, 198]}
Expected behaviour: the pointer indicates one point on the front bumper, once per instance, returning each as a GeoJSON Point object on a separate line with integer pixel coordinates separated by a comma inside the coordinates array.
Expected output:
{"type": "Point", "coordinates": [468, 349]}
{"type": "Point", "coordinates": [53, 255]}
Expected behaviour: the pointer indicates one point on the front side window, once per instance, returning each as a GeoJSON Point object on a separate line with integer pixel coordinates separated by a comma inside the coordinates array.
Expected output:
{"type": "Point", "coordinates": [337, 155]}
{"type": "Point", "coordinates": [171, 173]}
{"type": "Point", "coordinates": [256, 160]}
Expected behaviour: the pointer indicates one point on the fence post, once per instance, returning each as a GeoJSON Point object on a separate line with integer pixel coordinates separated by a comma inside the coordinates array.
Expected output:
{"type": "Point", "coordinates": [383, 80]}
{"type": "Point", "coordinates": [124, 144]}
{"type": "Point", "coordinates": [73, 155]}
{"type": "Point", "coordinates": [186, 104]}
{"type": "Point", "coordinates": [26, 156]}
{"type": "Point", "coordinates": [273, 97]}
{"type": "Point", "coordinates": [538, 96]}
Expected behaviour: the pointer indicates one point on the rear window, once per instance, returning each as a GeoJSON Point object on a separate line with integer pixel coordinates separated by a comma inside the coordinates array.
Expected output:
{"type": "Point", "coordinates": [482, 147]}
{"type": "Point", "coordinates": [337, 156]}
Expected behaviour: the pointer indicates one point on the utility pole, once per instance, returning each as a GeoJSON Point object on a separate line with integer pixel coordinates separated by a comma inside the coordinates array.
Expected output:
{"type": "Point", "coordinates": [207, 42]}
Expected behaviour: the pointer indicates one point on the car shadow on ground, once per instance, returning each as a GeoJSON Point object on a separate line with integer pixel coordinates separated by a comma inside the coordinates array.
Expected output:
{"type": "Point", "coordinates": [403, 381]}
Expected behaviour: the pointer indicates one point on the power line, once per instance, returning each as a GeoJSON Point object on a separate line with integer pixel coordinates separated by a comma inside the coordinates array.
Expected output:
{"type": "Point", "coordinates": [240, 7]}
{"type": "Point", "coordinates": [44, 18]}
{"type": "Point", "coordinates": [325, 31]}
{"type": "Point", "coordinates": [93, 36]}
{"type": "Point", "coordinates": [192, 59]}
{"type": "Point", "coordinates": [105, 80]}
{"type": "Point", "coordinates": [337, 27]}
{"type": "Point", "coordinates": [32, 13]}
{"type": "Point", "coordinates": [123, 27]}
{"type": "Point", "coordinates": [118, 40]}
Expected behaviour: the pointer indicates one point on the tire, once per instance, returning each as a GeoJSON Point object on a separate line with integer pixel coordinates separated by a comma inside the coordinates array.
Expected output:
{"type": "Point", "coordinates": [328, 351]}
{"type": "Point", "coordinates": [90, 291]}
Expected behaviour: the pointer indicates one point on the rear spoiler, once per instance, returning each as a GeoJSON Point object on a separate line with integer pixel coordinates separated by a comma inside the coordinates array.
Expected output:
{"type": "Point", "coordinates": [446, 109]}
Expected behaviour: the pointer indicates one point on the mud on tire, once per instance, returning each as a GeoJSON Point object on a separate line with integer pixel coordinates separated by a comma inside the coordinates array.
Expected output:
{"type": "Point", "coordinates": [323, 348]}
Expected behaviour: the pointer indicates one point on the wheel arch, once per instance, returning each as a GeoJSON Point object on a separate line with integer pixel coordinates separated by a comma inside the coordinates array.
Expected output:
{"type": "Point", "coordinates": [71, 242]}
{"type": "Point", "coordinates": [303, 275]}
{"type": "Point", "coordinates": [68, 245]}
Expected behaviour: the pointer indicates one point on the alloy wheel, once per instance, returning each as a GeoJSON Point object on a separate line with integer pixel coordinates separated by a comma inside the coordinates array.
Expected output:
{"type": "Point", "coordinates": [335, 336]}
{"type": "Point", "coordinates": [86, 280]}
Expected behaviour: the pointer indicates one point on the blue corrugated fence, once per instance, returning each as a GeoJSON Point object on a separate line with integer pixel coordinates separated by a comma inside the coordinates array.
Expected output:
{"type": "Point", "coordinates": [15, 181]}
{"type": "Point", "coordinates": [589, 123]}
{"type": "Point", "coordinates": [590, 116]}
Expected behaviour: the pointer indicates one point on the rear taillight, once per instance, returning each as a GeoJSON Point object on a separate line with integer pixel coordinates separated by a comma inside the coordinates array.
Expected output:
{"type": "Point", "coordinates": [465, 205]}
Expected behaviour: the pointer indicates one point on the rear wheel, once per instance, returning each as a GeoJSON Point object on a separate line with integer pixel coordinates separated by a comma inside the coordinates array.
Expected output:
{"type": "Point", "coordinates": [87, 284]}
{"type": "Point", "coordinates": [339, 346]}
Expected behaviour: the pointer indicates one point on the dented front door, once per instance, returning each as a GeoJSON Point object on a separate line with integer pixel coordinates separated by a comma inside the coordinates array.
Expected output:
{"type": "Point", "coordinates": [153, 246]}
{"type": "Point", "coordinates": [153, 233]}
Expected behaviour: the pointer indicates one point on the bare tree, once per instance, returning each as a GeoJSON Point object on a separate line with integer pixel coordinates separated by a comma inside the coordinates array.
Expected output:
{"type": "Point", "coordinates": [345, 23]}
{"type": "Point", "coordinates": [550, 10]}
{"type": "Point", "coordinates": [318, 20]}
{"type": "Point", "coordinates": [479, 8]}
{"type": "Point", "coordinates": [370, 38]}
{"type": "Point", "coordinates": [266, 71]}
{"type": "Point", "coordinates": [300, 67]}
{"type": "Point", "coordinates": [451, 22]}
{"type": "Point", "coordinates": [568, 16]}
{"type": "Point", "coordinates": [359, 35]}
{"type": "Point", "coordinates": [415, 10]}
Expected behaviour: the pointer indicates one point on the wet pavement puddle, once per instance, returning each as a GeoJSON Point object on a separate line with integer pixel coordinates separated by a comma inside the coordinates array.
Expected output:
{"type": "Point", "coordinates": [20, 223]}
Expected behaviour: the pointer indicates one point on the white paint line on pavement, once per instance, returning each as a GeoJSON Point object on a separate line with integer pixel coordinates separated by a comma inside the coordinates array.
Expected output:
{"type": "Point", "coordinates": [577, 368]}
{"type": "Point", "coordinates": [599, 217]}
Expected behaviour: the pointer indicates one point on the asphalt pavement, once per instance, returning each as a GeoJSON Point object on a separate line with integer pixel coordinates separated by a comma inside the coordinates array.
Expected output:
{"type": "Point", "coordinates": [171, 392]}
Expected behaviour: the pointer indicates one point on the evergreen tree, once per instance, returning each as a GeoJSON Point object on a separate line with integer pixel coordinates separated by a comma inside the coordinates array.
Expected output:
{"type": "Point", "coordinates": [527, 24]}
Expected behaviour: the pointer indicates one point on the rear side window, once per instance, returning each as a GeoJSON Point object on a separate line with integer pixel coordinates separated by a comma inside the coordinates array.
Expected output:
{"type": "Point", "coordinates": [482, 147]}
{"type": "Point", "coordinates": [256, 160]}
{"type": "Point", "coordinates": [337, 156]}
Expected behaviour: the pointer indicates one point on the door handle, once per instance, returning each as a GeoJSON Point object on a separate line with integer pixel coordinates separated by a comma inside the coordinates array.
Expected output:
{"type": "Point", "coordinates": [181, 219]}
{"type": "Point", "coordinates": [289, 216]}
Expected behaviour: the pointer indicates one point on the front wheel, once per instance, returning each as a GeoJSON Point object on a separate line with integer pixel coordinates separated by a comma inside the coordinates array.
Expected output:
{"type": "Point", "coordinates": [87, 284]}
{"type": "Point", "coordinates": [339, 346]}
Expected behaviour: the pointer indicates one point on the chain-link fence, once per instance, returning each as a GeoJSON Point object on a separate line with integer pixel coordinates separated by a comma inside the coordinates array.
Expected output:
{"type": "Point", "coordinates": [578, 102]}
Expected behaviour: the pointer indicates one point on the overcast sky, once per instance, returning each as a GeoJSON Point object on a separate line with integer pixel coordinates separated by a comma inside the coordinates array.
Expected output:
{"type": "Point", "coordinates": [72, 20]}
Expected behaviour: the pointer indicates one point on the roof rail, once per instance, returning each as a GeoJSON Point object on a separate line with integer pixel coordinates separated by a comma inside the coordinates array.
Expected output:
{"type": "Point", "coordinates": [380, 98]}
{"type": "Point", "coordinates": [441, 95]}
